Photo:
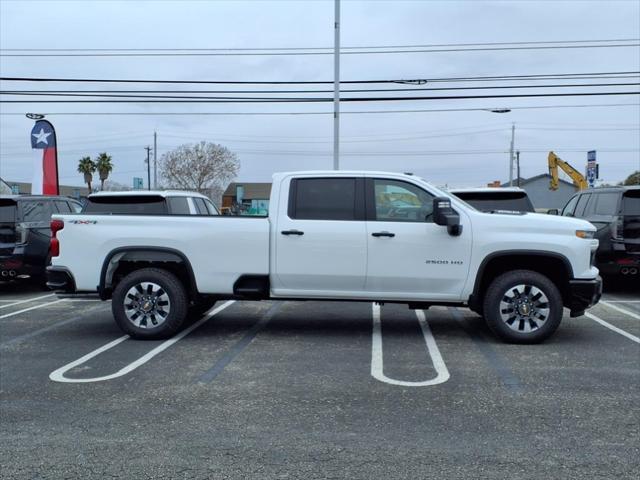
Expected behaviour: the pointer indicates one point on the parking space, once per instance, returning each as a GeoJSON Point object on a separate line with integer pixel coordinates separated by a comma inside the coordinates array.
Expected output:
{"type": "Point", "coordinates": [316, 390]}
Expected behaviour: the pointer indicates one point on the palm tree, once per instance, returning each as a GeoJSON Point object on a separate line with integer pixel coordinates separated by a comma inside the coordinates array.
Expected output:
{"type": "Point", "coordinates": [104, 167]}
{"type": "Point", "coordinates": [87, 166]}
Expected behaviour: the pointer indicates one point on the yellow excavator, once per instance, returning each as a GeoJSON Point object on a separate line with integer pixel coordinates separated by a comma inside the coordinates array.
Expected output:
{"type": "Point", "coordinates": [555, 162]}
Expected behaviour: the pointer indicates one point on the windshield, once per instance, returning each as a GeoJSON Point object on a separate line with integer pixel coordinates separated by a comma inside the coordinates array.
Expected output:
{"type": "Point", "coordinates": [490, 201]}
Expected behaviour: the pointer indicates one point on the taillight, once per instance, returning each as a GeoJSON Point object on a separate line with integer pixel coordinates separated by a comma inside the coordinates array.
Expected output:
{"type": "Point", "coordinates": [21, 234]}
{"type": "Point", "coordinates": [617, 227]}
{"type": "Point", "coordinates": [54, 245]}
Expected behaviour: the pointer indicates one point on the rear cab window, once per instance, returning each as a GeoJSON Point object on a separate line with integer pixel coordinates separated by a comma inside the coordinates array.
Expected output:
{"type": "Point", "coordinates": [631, 202]}
{"type": "Point", "coordinates": [178, 206]}
{"type": "Point", "coordinates": [126, 205]}
{"type": "Point", "coordinates": [36, 211]}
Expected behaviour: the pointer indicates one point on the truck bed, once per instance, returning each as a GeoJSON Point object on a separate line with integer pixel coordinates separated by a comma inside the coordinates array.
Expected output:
{"type": "Point", "coordinates": [227, 245]}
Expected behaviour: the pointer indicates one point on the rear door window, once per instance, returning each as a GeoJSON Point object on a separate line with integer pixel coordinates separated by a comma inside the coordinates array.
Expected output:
{"type": "Point", "coordinates": [607, 204]}
{"type": "Point", "coordinates": [323, 199]}
{"type": "Point", "coordinates": [62, 206]}
{"type": "Point", "coordinates": [127, 205]}
{"type": "Point", "coordinates": [178, 205]}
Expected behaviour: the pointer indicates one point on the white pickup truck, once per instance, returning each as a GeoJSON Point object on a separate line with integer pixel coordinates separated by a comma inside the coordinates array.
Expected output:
{"type": "Point", "coordinates": [359, 236]}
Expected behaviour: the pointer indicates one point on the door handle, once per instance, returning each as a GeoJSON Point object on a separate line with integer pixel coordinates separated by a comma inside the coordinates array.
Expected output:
{"type": "Point", "coordinates": [383, 234]}
{"type": "Point", "coordinates": [291, 232]}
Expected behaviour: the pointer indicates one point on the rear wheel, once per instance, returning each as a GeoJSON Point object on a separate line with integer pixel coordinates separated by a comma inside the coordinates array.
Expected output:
{"type": "Point", "coordinates": [150, 303]}
{"type": "Point", "coordinates": [523, 307]}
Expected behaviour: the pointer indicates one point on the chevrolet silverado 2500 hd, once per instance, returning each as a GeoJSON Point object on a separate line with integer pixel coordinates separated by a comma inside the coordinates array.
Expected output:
{"type": "Point", "coordinates": [361, 236]}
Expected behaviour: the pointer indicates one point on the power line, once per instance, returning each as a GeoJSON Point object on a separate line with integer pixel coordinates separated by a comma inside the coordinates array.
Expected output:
{"type": "Point", "coordinates": [353, 112]}
{"type": "Point", "coordinates": [314, 53]}
{"type": "Point", "coordinates": [418, 81]}
{"type": "Point", "coordinates": [327, 99]}
{"type": "Point", "coordinates": [368, 47]}
{"type": "Point", "coordinates": [301, 51]}
{"type": "Point", "coordinates": [126, 93]}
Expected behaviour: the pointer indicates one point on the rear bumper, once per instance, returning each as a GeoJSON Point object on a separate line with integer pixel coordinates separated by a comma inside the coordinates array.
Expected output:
{"type": "Point", "coordinates": [59, 279]}
{"type": "Point", "coordinates": [583, 294]}
{"type": "Point", "coordinates": [14, 265]}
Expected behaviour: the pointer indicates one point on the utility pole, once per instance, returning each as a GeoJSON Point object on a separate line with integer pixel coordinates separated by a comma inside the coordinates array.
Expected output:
{"type": "Point", "coordinates": [155, 160]}
{"type": "Point", "coordinates": [336, 87]}
{"type": "Point", "coordinates": [148, 149]}
{"type": "Point", "coordinates": [513, 134]}
{"type": "Point", "coordinates": [518, 166]}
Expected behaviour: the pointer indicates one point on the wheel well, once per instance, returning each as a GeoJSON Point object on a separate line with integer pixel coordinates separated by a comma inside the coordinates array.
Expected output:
{"type": "Point", "coordinates": [554, 267]}
{"type": "Point", "coordinates": [124, 261]}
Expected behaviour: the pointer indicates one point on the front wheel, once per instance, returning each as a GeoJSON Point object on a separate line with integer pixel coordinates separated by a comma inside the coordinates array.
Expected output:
{"type": "Point", "coordinates": [150, 303]}
{"type": "Point", "coordinates": [523, 307]}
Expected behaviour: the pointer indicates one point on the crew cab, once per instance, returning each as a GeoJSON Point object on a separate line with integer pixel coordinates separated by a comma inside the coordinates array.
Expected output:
{"type": "Point", "coordinates": [357, 236]}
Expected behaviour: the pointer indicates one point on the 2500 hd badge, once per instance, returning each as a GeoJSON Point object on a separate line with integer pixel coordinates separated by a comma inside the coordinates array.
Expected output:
{"type": "Point", "coordinates": [444, 262]}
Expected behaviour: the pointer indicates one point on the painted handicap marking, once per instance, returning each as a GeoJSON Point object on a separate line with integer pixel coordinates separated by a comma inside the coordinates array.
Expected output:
{"type": "Point", "coordinates": [58, 375]}
{"type": "Point", "coordinates": [377, 363]}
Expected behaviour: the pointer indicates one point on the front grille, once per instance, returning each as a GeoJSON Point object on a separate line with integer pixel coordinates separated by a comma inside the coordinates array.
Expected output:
{"type": "Point", "coordinates": [592, 260]}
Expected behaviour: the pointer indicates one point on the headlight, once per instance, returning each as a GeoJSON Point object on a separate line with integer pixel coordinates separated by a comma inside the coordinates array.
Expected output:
{"type": "Point", "coordinates": [585, 234]}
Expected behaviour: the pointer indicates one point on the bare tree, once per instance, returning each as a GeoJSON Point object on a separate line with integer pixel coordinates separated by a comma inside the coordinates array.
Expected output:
{"type": "Point", "coordinates": [204, 167]}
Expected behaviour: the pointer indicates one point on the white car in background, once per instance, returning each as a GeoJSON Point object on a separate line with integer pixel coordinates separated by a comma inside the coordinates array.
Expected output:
{"type": "Point", "coordinates": [495, 199]}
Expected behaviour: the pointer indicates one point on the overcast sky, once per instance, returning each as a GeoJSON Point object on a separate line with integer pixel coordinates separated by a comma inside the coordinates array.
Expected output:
{"type": "Point", "coordinates": [459, 148]}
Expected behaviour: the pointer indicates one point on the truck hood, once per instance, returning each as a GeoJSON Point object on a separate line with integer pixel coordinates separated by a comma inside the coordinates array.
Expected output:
{"type": "Point", "coordinates": [540, 222]}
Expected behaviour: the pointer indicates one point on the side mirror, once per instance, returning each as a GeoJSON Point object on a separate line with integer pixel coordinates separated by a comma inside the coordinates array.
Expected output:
{"type": "Point", "coordinates": [553, 211]}
{"type": "Point", "coordinates": [445, 215]}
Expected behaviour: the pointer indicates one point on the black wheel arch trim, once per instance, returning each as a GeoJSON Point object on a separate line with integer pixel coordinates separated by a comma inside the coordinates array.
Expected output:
{"type": "Point", "coordinates": [508, 253]}
{"type": "Point", "coordinates": [170, 255]}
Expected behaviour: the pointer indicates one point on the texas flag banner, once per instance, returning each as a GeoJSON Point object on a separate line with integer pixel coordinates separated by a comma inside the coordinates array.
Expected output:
{"type": "Point", "coordinates": [45, 168]}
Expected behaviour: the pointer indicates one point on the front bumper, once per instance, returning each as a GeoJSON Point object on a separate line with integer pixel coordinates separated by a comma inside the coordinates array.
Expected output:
{"type": "Point", "coordinates": [60, 280]}
{"type": "Point", "coordinates": [583, 294]}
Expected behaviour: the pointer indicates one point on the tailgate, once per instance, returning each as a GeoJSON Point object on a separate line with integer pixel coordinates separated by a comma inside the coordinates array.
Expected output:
{"type": "Point", "coordinates": [8, 212]}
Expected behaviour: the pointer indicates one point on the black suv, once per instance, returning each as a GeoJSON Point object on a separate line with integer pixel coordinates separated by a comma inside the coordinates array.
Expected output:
{"type": "Point", "coordinates": [615, 212]}
{"type": "Point", "coordinates": [25, 232]}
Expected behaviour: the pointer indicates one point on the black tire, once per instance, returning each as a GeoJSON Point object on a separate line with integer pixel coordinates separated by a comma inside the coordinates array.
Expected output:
{"type": "Point", "coordinates": [522, 306]}
{"type": "Point", "coordinates": [171, 292]}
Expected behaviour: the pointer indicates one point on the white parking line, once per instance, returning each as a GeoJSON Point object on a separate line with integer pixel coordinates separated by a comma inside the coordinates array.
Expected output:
{"type": "Point", "coordinates": [377, 364]}
{"type": "Point", "coordinates": [611, 327]}
{"type": "Point", "coordinates": [7, 315]}
{"type": "Point", "coordinates": [27, 300]}
{"type": "Point", "coordinates": [58, 375]}
{"type": "Point", "coordinates": [621, 301]}
{"type": "Point", "coordinates": [621, 310]}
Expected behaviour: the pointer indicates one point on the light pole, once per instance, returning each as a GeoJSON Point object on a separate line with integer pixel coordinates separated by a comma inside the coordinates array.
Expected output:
{"type": "Point", "coordinates": [336, 86]}
{"type": "Point", "coordinates": [513, 134]}
{"type": "Point", "coordinates": [148, 149]}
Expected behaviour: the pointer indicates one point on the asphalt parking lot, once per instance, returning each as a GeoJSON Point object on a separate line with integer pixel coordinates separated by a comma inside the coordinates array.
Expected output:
{"type": "Point", "coordinates": [316, 390]}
